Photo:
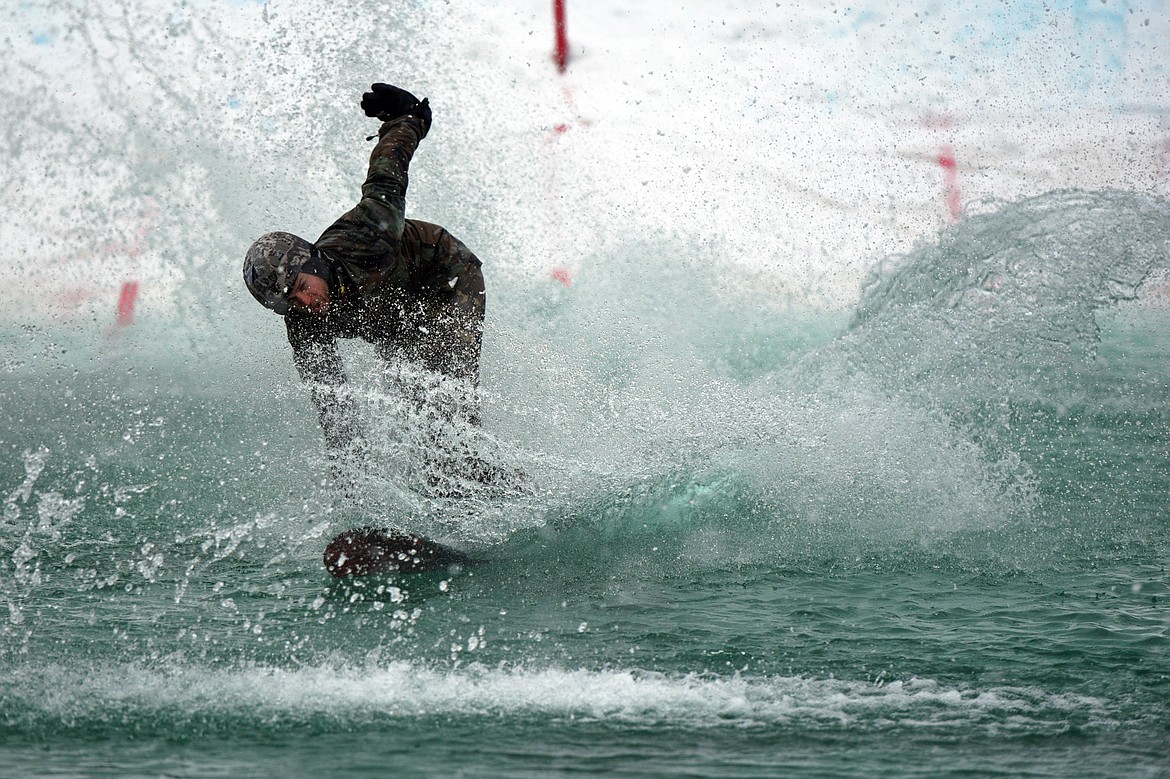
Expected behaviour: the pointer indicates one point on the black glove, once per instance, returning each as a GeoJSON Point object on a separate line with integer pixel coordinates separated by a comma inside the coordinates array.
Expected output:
{"type": "Point", "coordinates": [387, 102]}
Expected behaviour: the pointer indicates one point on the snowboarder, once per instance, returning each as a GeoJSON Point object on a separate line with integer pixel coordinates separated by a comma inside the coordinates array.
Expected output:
{"type": "Point", "coordinates": [410, 288]}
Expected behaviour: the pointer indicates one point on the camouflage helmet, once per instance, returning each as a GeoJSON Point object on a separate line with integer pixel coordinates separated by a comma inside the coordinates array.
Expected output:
{"type": "Point", "coordinates": [271, 265]}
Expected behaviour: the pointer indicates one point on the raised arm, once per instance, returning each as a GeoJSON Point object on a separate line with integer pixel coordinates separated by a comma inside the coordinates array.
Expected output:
{"type": "Point", "coordinates": [386, 180]}
{"type": "Point", "coordinates": [371, 232]}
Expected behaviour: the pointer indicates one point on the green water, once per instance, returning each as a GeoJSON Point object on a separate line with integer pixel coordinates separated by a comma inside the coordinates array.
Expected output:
{"type": "Point", "coordinates": [781, 544]}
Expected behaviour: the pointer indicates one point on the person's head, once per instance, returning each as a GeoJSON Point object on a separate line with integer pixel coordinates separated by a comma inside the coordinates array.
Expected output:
{"type": "Point", "coordinates": [285, 272]}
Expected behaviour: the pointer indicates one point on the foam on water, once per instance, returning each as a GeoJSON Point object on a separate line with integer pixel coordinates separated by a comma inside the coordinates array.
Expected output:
{"type": "Point", "coordinates": [183, 699]}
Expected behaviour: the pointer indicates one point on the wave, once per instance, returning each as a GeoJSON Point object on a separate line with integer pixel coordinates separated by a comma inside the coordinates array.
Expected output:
{"type": "Point", "coordinates": [186, 700]}
{"type": "Point", "coordinates": [1007, 303]}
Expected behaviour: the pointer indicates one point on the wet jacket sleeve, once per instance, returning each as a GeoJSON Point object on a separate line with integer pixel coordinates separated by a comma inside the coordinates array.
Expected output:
{"type": "Point", "coordinates": [319, 364]}
{"type": "Point", "coordinates": [372, 231]}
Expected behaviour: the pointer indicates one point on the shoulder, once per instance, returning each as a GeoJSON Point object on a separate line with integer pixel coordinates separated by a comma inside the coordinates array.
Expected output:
{"type": "Point", "coordinates": [425, 232]}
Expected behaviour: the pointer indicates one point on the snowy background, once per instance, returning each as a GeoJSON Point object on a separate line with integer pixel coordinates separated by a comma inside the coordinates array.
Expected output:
{"type": "Point", "coordinates": [795, 145]}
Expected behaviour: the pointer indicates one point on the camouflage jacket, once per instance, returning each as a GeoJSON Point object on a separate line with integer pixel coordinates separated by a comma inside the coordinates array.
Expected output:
{"type": "Point", "coordinates": [409, 287]}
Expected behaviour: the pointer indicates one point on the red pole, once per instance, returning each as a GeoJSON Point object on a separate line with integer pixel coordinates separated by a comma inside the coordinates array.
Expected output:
{"type": "Point", "coordinates": [560, 273]}
{"type": "Point", "coordinates": [562, 51]}
{"type": "Point", "coordinates": [126, 303]}
{"type": "Point", "coordinates": [946, 161]}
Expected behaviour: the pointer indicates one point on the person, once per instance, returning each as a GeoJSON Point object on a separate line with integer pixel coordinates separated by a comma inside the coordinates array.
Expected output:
{"type": "Point", "coordinates": [408, 287]}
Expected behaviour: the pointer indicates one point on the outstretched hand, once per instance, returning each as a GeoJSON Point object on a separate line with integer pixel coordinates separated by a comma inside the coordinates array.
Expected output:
{"type": "Point", "coordinates": [387, 102]}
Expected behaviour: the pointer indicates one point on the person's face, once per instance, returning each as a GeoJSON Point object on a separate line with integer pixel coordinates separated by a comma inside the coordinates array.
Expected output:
{"type": "Point", "coordinates": [309, 295]}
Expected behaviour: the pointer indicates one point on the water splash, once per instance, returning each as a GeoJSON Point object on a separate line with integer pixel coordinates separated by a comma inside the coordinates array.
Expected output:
{"type": "Point", "coordinates": [1007, 301]}
{"type": "Point", "coordinates": [188, 701]}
